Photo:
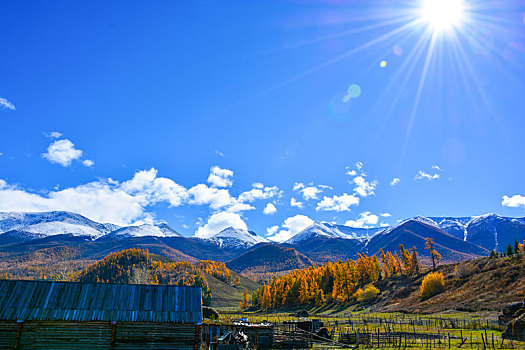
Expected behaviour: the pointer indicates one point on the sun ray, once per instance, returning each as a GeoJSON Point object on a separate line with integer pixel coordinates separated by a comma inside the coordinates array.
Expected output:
{"type": "Point", "coordinates": [358, 30]}
{"type": "Point", "coordinates": [407, 68]}
{"type": "Point", "coordinates": [419, 91]}
{"type": "Point", "coordinates": [329, 62]}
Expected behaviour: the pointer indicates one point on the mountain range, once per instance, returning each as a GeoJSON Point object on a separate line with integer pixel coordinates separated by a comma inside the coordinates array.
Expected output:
{"type": "Point", "coordinates": [457, 239]}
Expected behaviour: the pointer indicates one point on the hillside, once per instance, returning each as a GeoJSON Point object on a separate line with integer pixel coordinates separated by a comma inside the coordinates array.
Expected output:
{"type": "Point", "coordinates": [136, 266]}
{"type": "Point", "coordinates": [323, 249]}
{"type": "Point", "coordinates": [392, 283]}
{"type": "Point", "coordinates": [225, 295]}
{"type": "Point", "coordinates": [413, 233]}
{"type": "Point", "coordinates": [479, 284]}
{"type": "Point", "coordinates": [269, 258]}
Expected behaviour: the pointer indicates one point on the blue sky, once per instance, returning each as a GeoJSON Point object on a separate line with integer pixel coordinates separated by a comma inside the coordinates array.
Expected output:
{"type": "Point", "coordinates": [121, 110]}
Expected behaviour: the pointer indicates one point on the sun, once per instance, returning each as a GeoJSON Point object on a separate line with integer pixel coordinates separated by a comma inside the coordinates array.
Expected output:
{"type": "Point", "coordinates": [442, 14]}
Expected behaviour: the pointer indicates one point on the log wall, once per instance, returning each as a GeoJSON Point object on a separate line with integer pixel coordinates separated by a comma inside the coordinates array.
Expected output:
{"type": "Point", "coordinates": [98, 335]}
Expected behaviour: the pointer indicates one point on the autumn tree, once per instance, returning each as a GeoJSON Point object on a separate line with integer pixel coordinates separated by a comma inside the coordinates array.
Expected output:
{"type": "Point", "coordinates": [406, 260]}
{"type": "Point", "coordinates": [245, 300]}
{"type": "Point", "coordinates": [436, 257]}
{"type": "Point", "coordinates": [415, 261]}
{"type": "Point", "coordinates": [137, 266]}
{"type": "Point", "coordinates": [432, 284]}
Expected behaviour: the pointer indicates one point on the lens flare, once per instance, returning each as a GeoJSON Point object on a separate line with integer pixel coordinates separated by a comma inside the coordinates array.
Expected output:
{"type": "Point", "coordinates": [442, 14]}
{"type": "Point", "coordinates": [398, 50]}
{"type": "Point", "coordinates": [383, 64]}
{"type": "Point", "coordinates": [354, 91]}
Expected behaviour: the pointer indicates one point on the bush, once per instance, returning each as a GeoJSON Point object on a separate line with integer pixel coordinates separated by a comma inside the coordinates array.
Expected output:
{"type": "Point", "coordinates": [433, 283]}
{"type": "Point", "coordinates": [368, 294]}
{"type": "Point", "coordinates": [464, 269]}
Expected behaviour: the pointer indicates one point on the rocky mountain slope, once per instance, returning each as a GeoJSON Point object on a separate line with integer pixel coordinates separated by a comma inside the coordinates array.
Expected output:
{"type": "Point", "coordinates": [266, 258]}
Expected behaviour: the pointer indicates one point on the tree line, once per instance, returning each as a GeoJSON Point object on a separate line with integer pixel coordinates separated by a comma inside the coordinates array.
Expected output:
{"type": "Point", "coordinates": [342, 281]}
{"type": "Point", "coordinates": [136, 266]}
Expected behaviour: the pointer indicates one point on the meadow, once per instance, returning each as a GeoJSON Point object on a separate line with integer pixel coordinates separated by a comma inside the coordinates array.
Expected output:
{"type": "Point", "coordinates": [453, 330]}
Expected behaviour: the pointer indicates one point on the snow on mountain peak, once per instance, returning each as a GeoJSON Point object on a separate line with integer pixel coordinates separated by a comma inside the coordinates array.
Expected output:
{"type": "Point", "coordinates": [237, 238]}
{"type": "Point", "coordinates": [43, 224]}
{"type": "Point", "coordinates": [328, 230]}
{"type": "Point", "coordinates": [145, 230]}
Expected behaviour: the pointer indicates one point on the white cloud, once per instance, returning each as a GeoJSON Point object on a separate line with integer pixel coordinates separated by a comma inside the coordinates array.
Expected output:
{"type": "Point", "coordinates": [1, 154]}
{"type": "Point", "coordinates": [6, 104]}
{"type": "Point", "coordinates": [351, 172]}
{"type": "Point", "coordinates": [272, 230]}
{"type": "Point", "coordinates": [240, 207]}
{"type": "Point", "coordinates": [514, 201]}
{"type": "Point", "coordinates": [297, 186]}
{"type": "Point", "coordinates": [436, 167]}
{"type": "Point", "coordinates": [102, 201]}
{"type": "Point", "coordinates": [291, 227]}
{"type": "Point", "coordinates": [221, 199]}
{"type": "Point", "coordinates": [337, 203]}
{"type": "Point", "coordinates": [218, 222]}
{"type": "Point", "coordinates": [366, 219]}
{"type": "Point", "coordinates": [220, 177]}
{"type": "Point", "coordinates": [151, 189]}
{"type": "Point", "coordinates": [363, 187]}
{"type": "Point", "coordinates": [216, 198]}
{"type": "Point", "coordinates": [395, 181]}
{"type": "Point", "coordinates": [421, 175]}
{"type": "Point", "coordinates": [386, 215]}
{"type": "Point", "coordinates": [126, 202]}
{"type": "Point", "coordinates": [296, 203]}
{"type": "Point", "coordinates": [53, 135]}
{"type": "Point", "coordinates": [62, 152]}
{"type": "Point", "coordinates": [270, 209]}
{"type": "Point", "coordinates": [309, 191]}
{"type": "Point", "coordinates": [219, 153]}
{"type": "Point", "coordinates": [359, 165]}
{"type": "Point", "coordinates": [259, 192]}
{"type": "Point", "coordinates": [88, 162]}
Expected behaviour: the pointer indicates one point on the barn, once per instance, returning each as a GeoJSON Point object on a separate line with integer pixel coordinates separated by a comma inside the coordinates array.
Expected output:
{"type": "Point", "coordinates": [70, 315]}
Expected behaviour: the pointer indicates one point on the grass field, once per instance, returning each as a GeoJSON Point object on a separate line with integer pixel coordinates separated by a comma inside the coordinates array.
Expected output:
{"type": "Point", "coordinates": [227, 296]}
{"type": "Point", "coordinates": [396, 330]}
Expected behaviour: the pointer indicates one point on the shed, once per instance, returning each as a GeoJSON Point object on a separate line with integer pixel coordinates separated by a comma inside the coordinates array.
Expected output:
{"type": "Point", "coordinates": [71, 315]}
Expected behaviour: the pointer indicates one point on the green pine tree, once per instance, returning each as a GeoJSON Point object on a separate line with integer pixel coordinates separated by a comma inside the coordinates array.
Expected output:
{"type": "Point", "coordinates": [510, 250]}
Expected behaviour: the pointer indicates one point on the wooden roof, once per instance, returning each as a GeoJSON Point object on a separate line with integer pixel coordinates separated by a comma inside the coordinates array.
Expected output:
{"type": "Point", "coordinates": [73, 301]}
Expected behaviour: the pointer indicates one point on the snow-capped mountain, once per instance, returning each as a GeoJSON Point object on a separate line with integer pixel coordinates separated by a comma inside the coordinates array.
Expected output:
{"type": "Point", "coordinates": [488, 231]}
{"type": "Point", "coordinates": [146, 230]}
{"type": "Point", "coordinates": [236, 238]}
{"type": "Point", "coordinates": [455, 226]}
{"type": "Point", "coordinates": [28, 226]}
{"type": "Point", "coordinates": [495, 232]}
{"type": "Point", "coordinates": [328, 230]}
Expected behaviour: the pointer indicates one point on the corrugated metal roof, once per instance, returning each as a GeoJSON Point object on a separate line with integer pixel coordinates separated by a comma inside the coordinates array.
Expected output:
{"type": "Point", "coordinates": [73, 301]}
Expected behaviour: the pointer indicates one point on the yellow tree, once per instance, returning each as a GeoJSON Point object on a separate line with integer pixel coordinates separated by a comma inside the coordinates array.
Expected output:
{"type": "Point", "coordinates": [415, 261]}
{"type": "Point", "coordinates": [406, 259]}
{"type": "Point", "coordinates": [266, 297]}
{"type": "Point", "coordinates": [245, 300]}
{"type": "Point", "coordinates": [384, 265]}
{"type": "Point", "coordinates": [429, 244]}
